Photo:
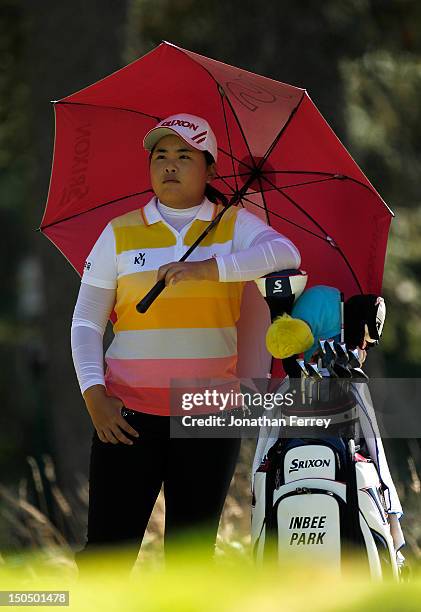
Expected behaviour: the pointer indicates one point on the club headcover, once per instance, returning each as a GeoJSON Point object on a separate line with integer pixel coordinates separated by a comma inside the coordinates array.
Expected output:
{"type": "Point", "coordinates": [361, 311]}
{"type": "Point", "coordinates": [287, 336]}
{"type": "Point", "coordinates": [281, 289]}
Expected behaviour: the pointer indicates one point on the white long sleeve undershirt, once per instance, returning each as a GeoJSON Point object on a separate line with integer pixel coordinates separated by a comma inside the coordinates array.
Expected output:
{"type": "Point", "coordinates": [177, 217]}
{"type": "Point", "coordinates": [268, 252]}
{"type": "Point", "coordinates": [92, 311]}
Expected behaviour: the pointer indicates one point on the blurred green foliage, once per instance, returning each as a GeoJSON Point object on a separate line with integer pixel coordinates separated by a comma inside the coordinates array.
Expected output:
{"type": "Point", "coordinates": [383, 118]}
{"type": "Point", "coordinates": [14, 103]}
{"type": "Point", "coordinates": [191, 584]}
{"type": "Point", "coordinates": [14, 152]}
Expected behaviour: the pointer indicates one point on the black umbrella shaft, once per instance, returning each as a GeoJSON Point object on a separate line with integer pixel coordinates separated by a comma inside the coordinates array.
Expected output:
{"type": "Point", "coordinates": [159, 286]}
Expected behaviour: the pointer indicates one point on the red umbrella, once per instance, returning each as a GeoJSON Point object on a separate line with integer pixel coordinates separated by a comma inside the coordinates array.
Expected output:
{"type": "Point", "coordinates": [305, 183]}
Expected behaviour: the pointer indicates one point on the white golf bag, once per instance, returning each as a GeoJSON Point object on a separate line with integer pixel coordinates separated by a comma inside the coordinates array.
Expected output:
{"type": "Point", "coordinates": [315, 498]}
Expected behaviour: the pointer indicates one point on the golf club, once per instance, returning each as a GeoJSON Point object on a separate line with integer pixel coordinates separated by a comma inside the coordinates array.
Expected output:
{"type": "Point", "coordinates": [340, 365]}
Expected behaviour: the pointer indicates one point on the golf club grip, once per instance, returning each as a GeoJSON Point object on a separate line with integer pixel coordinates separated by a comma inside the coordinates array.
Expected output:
{"type": "Point", "coordinates": [145, 302]}
{"type": "Point", "coordinates": [151, 296]}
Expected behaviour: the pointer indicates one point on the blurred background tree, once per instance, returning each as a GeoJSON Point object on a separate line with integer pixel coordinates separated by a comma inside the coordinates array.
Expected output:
{"type": "Point", "coordinates": [360, 61]}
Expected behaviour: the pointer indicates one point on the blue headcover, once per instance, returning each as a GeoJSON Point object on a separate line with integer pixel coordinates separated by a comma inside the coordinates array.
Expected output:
{"type": "Point", "coordinates": [320, 307]}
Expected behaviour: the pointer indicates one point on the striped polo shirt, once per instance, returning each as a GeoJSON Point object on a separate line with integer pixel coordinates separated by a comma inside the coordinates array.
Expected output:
{"type": "Point", "coordinates": [187, 340]}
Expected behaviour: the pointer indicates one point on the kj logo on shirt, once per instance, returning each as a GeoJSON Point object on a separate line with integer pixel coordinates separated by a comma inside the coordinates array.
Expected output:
{"type": "Point", "coordinates": [140, 259]}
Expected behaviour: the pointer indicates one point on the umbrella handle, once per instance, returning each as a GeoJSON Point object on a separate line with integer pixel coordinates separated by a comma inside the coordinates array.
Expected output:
{"type": "Point", "coordinates": [145, 302]}
{"type": "Point", "coordinates": [150, 297]}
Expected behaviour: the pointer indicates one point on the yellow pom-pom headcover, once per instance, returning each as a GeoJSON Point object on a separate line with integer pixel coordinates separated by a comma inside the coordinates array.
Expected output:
{"type": "Point", "coordinates": [287, 336]}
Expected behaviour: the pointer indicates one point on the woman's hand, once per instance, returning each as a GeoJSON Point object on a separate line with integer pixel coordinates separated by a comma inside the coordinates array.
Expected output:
{"type": "Point", "coordinates": [189, 270]}
{"type": "Point", "coordinates": [106, 416]}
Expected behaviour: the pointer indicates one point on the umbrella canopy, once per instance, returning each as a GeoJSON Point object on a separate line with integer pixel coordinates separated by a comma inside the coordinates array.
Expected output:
{"type": "Point", "coordinates": [306, 185]}
{"type": "Point", "coordinates": [299, 176]}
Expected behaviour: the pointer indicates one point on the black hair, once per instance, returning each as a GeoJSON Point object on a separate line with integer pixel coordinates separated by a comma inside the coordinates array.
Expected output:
{"type": "Point", "coordinates": [211, 192]}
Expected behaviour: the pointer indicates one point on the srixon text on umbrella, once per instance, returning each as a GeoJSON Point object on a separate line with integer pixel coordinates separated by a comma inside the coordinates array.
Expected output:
{"type": "Point", "coordinates": [76, 187]}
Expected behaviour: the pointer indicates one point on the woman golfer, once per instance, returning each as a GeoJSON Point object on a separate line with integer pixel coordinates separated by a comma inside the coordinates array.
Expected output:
{"type": "Point", "coordinates": [189, 332]}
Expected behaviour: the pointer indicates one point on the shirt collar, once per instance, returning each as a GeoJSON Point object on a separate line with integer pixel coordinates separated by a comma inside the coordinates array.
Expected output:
{"type": "Point", "coordinates": [151, 213]}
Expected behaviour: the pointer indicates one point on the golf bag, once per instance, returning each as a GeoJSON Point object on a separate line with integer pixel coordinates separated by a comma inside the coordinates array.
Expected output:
{"type": "Point", "coordinates": [318, 496]}
{"type": "Point", "coordinates": [319, 493]}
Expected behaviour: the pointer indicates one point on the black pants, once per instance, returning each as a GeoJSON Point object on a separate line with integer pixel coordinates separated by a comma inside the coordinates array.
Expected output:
{"type": "Point", "coordinates": [124, 483]}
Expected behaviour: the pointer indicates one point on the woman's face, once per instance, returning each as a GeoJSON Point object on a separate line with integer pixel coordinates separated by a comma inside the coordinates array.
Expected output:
{"type": "Point", "coordinates": [179, 172]}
